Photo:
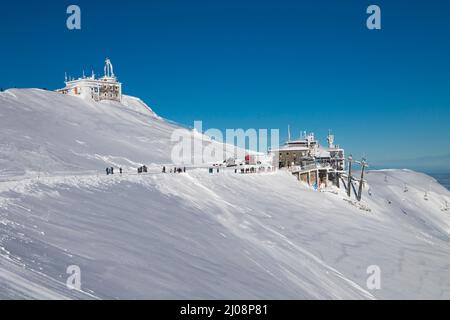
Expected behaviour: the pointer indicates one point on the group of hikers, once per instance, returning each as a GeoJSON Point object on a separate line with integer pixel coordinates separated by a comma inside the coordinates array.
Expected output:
{"type": "Point", "coordinates": [175, 170]}
{"type": "Point", "coordinates": [211, 170]}
{"type": "Point", "coordinates": [245, 170]}
{"type": "Point", "coordinates": [111, 171]}
{"type": "Point", "coordinates": [142, 169]}
{"type": "Point", "coordinates": [256, 170]}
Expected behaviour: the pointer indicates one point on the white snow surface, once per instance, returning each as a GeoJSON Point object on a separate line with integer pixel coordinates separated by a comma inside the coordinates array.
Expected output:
{"type": "Point", "coordinates": [194, 235]}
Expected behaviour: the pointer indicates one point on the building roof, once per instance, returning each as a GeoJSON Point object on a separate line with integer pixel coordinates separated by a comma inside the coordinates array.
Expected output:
{"type": "Point", "coordinates": [291, 148]}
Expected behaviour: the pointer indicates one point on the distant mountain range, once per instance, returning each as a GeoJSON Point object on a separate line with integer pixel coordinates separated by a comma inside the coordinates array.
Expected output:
{"type": "Point", "coordinates": [429, 164]}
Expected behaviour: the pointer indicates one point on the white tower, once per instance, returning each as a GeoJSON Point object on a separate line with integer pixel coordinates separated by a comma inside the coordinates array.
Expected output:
{"type": "Point", "coordinates": [109, 71]}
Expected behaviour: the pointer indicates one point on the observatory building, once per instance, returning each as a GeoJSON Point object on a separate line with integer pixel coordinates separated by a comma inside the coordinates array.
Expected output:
{"type": "Point", "coordinates": [104, 88]}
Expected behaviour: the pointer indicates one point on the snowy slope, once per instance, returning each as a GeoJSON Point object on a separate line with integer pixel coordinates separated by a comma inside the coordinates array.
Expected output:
{"type": "Point", "coordinates": [194, 235]}
{"type": "Point", "coordinates": [44, 131]}
{"type": "Point", "coordinates": [49, 132]}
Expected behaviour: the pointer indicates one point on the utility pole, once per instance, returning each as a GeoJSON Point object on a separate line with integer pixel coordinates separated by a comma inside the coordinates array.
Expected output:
{"type": "Point", "coordinates": [336, 174]}
{"type": "Point", "coordinates": [349, 183]}
{"type": "Point", "coordinates": [363, 166]}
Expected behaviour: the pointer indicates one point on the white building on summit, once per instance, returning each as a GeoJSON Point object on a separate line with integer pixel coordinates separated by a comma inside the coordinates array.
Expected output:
{"type": "Point", "coordinates": [104, 88]}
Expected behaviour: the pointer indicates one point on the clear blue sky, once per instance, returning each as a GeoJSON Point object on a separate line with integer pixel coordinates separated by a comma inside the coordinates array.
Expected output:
{"type": "Point", "coordinates": [255, 64]}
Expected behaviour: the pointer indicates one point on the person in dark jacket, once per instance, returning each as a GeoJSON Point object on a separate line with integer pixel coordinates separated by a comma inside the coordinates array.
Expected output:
{"type": "Point", "coordinates": [120, 170]}
{"type": "Point", "coordinates": [112, 170]}
{"type": "Point", "coordinates": [107, 171]}
{"type": "Point", "coordinates": [164, 169]}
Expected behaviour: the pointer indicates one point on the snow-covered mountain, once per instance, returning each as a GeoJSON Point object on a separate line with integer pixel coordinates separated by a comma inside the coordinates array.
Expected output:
{"type": "Point", "coordinates": [46, 131]}
{"type": "Point", "coordinates": [195, 235]}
